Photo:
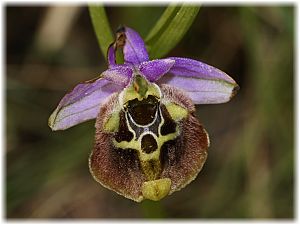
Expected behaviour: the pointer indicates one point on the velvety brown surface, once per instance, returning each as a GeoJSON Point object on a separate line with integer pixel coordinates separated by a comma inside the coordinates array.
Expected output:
{"type": "Point", "coordinates": [173, 94]}
{"type": "Point", "coordinates": [184, 157]}
{"type": "Point", "coordinates": [117, 169]}
{"type": "Point", "coordinates": [181, 159]}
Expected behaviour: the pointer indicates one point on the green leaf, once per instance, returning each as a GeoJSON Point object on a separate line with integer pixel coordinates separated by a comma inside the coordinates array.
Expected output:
{"type": "Point", "coordinates": [170, 29]}
{"type": "Point", "coordinates": [102, 28]}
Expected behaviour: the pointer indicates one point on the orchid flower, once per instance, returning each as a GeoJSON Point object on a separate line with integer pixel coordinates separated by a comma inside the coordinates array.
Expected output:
{"type": "Point", "coordinates": [148, 142]}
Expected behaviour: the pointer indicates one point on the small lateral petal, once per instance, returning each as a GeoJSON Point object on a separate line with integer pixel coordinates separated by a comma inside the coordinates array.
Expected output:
{"type": "Point", "coordinates": [154, 69]}
{"type": "Point", "coordinates": [119, 75]}
{"type": "Point", "coordinates": [111, 55]}
{"type": "Point", "coordinates": [134, 49]}
{"type": "Point", "coordinates": [81, 104]}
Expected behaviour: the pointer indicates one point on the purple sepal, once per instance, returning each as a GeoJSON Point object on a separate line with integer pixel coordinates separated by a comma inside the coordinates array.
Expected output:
{"type": "Point", "coordinates": [193, 68]}
{"type": "Point", "coordinates": [203, 83]}
{"type": "Point", "coordinates": [119, 75]}
{"type": "Point", "coordinates": [82, 103]}
{"type": "Point", "coordinates": [154, 69]}
{"type": "Point", "coordinates": [202, 91]}
{"type": "Point", "coordinates": [134, 49]}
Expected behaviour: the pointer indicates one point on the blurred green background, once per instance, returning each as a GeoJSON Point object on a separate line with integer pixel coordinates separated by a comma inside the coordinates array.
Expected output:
{"type": "Point", "coordinates": [250, 169]}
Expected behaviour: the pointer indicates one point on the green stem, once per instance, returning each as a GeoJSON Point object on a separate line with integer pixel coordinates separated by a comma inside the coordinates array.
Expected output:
{"type": "Point", "coordinates": [101, 26]}
{"type": "Point", "coordinates": [151, 209]}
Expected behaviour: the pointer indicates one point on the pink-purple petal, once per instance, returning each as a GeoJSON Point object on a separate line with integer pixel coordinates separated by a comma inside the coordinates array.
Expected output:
{"type": "Point", "coordinates": [134, 49]}
{"type": "Point", "coordinates": [154, 69]}
{"type": "Point", "coordinates": [82, 103]}
{"type": "Point", "coordinates": [119, 75]}
{"type": "Point", "coordinates": [200, 90]}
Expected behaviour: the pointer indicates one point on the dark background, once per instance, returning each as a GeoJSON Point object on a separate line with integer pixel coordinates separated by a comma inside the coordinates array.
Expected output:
{"type": "Point", "coordinates": [250, 169]}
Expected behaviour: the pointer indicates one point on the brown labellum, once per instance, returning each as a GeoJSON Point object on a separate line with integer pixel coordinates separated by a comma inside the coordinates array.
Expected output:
{"type": "Point", "coordinates": [148, 144]}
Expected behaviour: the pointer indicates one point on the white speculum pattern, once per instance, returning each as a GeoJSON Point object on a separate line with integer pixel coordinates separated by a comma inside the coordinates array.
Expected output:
{"type": "Point", "coordinates": [140, 131]}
